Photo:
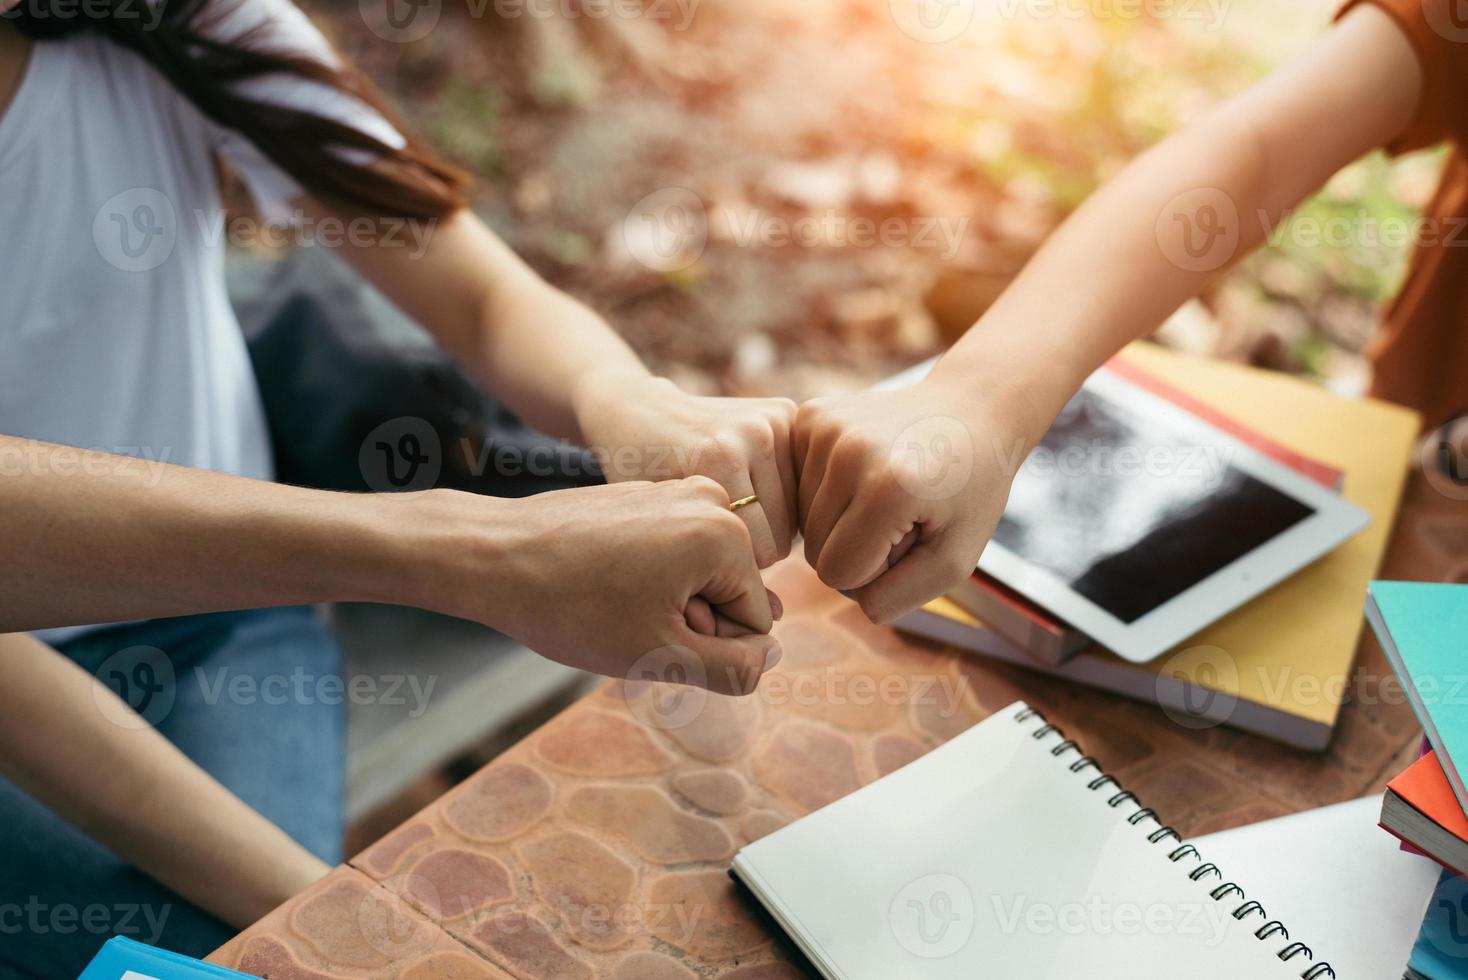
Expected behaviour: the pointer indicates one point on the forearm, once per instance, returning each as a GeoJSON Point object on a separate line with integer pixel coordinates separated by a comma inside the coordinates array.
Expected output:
{"type": "Point", "coordinates": [529, 343]}
{"type": "Point", "coordinates": [1122, 263]}
{"type": "Point", "coordinates": [66, 739]}
{"type": "Point", "coordinates": [91, 538]}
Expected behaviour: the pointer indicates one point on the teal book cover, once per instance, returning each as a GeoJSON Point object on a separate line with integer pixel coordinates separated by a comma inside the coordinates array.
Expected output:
{"type": "Point", "coordinates": [121, 958]}
{"type": "Point", "coordinates": [1441, 951]}
{"type": "Point", "coordinates": [1423, 629]}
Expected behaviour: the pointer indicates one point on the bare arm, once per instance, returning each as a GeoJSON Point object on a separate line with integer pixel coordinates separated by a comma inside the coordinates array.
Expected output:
{"type": "Point", "coordinates": [873, 520]}
{"type": "Point", "coordinates": [68, 741]}
{"type": "Point", "coordinates": [563, 369]}
{"type": "Point", "coordinates": [95, 538]}
{"type": "Point", "coordinates": [1124, 261]}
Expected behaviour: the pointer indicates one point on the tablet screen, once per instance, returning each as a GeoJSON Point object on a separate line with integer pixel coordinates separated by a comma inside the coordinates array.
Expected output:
{"type": "Point", "coordinates": [1129, 510]}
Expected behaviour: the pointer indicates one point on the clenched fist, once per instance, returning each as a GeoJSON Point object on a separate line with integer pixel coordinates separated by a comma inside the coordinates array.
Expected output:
{"type": "Point", "coordinates": [603, 578]}
{"type": "Point", "coordinates": [899, 491]}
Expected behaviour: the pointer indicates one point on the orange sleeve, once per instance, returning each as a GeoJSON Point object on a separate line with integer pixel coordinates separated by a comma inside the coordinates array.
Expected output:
{"type": "Point", "coordinates": [1438, 32]}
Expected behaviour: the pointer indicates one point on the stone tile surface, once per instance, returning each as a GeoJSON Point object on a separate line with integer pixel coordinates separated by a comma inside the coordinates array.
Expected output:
{"type": "Point", "coordinates": [598, 846]}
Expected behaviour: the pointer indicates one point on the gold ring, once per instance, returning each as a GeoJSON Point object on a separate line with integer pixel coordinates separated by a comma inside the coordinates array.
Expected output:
{"type": "Point", "coordinates": [745, 501]}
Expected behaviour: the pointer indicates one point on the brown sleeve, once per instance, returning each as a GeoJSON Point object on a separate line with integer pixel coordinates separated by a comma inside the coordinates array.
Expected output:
{"type": "Point", "coordinates": [1438, 32]}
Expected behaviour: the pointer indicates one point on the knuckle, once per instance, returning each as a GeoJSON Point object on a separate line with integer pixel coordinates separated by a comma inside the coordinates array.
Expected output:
{"type": "Point", "coordinates": [722, 448]}
{"type": "Point", "coordinates": [704, 486]}
{"type": "Point", "coordinates": [783, 409]}
{"type": "Point", "coordinates": [761, 437]}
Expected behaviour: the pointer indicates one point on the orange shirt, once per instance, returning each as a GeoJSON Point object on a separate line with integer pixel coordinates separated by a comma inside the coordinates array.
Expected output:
{"type": "Point", "coordinates": [1421, 357]}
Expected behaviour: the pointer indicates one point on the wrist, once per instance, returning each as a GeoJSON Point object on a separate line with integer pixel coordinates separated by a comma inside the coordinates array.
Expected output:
{"type": "Point", "coordinates": [419, 549]}
{"type": "Point", "coordinates": [602, 392]}
{"type": "Point", "coordinates": [1024, 387]}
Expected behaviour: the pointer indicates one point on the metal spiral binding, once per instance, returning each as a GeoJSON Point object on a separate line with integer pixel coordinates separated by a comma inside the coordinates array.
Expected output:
{"type": "Point", "coordinates": [1118, 796]}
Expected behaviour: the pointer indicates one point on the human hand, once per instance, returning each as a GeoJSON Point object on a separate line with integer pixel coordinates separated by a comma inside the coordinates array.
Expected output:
{"type": "Point", "coordinates": [900, 490]}
{"type": "Point", "coordinates": [646, 428]}
{"type": "Point", "coordinates": [603, 577]}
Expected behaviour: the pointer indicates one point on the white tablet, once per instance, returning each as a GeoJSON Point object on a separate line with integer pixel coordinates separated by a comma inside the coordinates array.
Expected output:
{"type": "Point", "coordinates": [1139, 523]}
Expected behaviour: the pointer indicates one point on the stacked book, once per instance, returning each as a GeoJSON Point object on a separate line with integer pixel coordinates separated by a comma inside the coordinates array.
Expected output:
{"type": "Point", "coordinates": [1423, 629]}
{"type": "Point", "coordinates": [1225, 594]}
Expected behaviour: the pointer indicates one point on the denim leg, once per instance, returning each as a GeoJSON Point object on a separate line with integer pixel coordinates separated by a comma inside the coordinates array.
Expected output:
{"type": "Point", "coordinates": [255, 698]}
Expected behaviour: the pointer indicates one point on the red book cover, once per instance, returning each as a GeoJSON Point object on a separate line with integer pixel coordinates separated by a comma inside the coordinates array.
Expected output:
{"type": "Point", "coordinates": [1424, 785]}
{"type": "Point", "coordinates": [1326, 476]}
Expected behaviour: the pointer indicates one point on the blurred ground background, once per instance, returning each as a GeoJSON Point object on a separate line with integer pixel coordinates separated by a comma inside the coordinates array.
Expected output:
{"type": "Point", "coordinates": [838, 111]}
{"type": "Point", "coordinates": [833, 117]}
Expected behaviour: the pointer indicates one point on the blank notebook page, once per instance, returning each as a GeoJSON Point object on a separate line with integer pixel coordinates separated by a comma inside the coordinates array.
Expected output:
{"type": "Point", "coordinates": [992, 857]}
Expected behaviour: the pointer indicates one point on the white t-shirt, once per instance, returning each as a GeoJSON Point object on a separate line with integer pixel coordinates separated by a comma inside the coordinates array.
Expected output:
{"type": "Point", "coordinates": [116, 332]}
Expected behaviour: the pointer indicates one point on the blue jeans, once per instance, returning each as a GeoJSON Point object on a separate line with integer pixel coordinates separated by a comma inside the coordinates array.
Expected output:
{"type": "Point", "coordinates": [241, 694]}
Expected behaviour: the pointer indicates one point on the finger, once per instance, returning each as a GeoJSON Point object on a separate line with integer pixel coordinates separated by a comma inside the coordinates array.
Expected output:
{"type": "Point", "coordinates": [785, 473]}
{"type": "Point", "coordinates": [734, 665]}
{"type": "Point", "coordinates": [861, 545]}
{"type": "Point", "coordinates": [832, 499]}
{"type": "Point", "coordinates": [702, 618]}
{"type": "Point", "coordinates": [731, 471]}
{"type": "Point", "coordinates": [761, 535]}
{"type": "Point", "coordinates": [764, 476]}
{"type": "Point", "coordinates": [811, 473]}
{"type": "Point", "coordinates": [926, 572]}
{"type": "Point", "coordinates": [735, 588]}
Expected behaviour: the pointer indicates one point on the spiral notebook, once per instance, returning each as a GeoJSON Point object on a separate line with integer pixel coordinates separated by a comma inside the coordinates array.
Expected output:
{"type": "Point", "coordinates": [1008, 853]}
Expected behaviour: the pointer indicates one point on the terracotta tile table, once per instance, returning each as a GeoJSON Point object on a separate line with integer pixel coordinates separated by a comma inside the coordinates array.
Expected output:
{"type": "Point", "coordinates": [598, 846]}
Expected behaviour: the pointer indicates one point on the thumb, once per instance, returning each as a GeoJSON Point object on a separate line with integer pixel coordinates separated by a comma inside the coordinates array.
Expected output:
{"type": "Point", "coordinates": [733, 664]}
{"type": "Point", "coordinates": [923, 574]}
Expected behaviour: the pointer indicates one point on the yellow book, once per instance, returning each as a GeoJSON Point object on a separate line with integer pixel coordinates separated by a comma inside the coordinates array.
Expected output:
{"type": "Point", "coordinates": [1280, 664]}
